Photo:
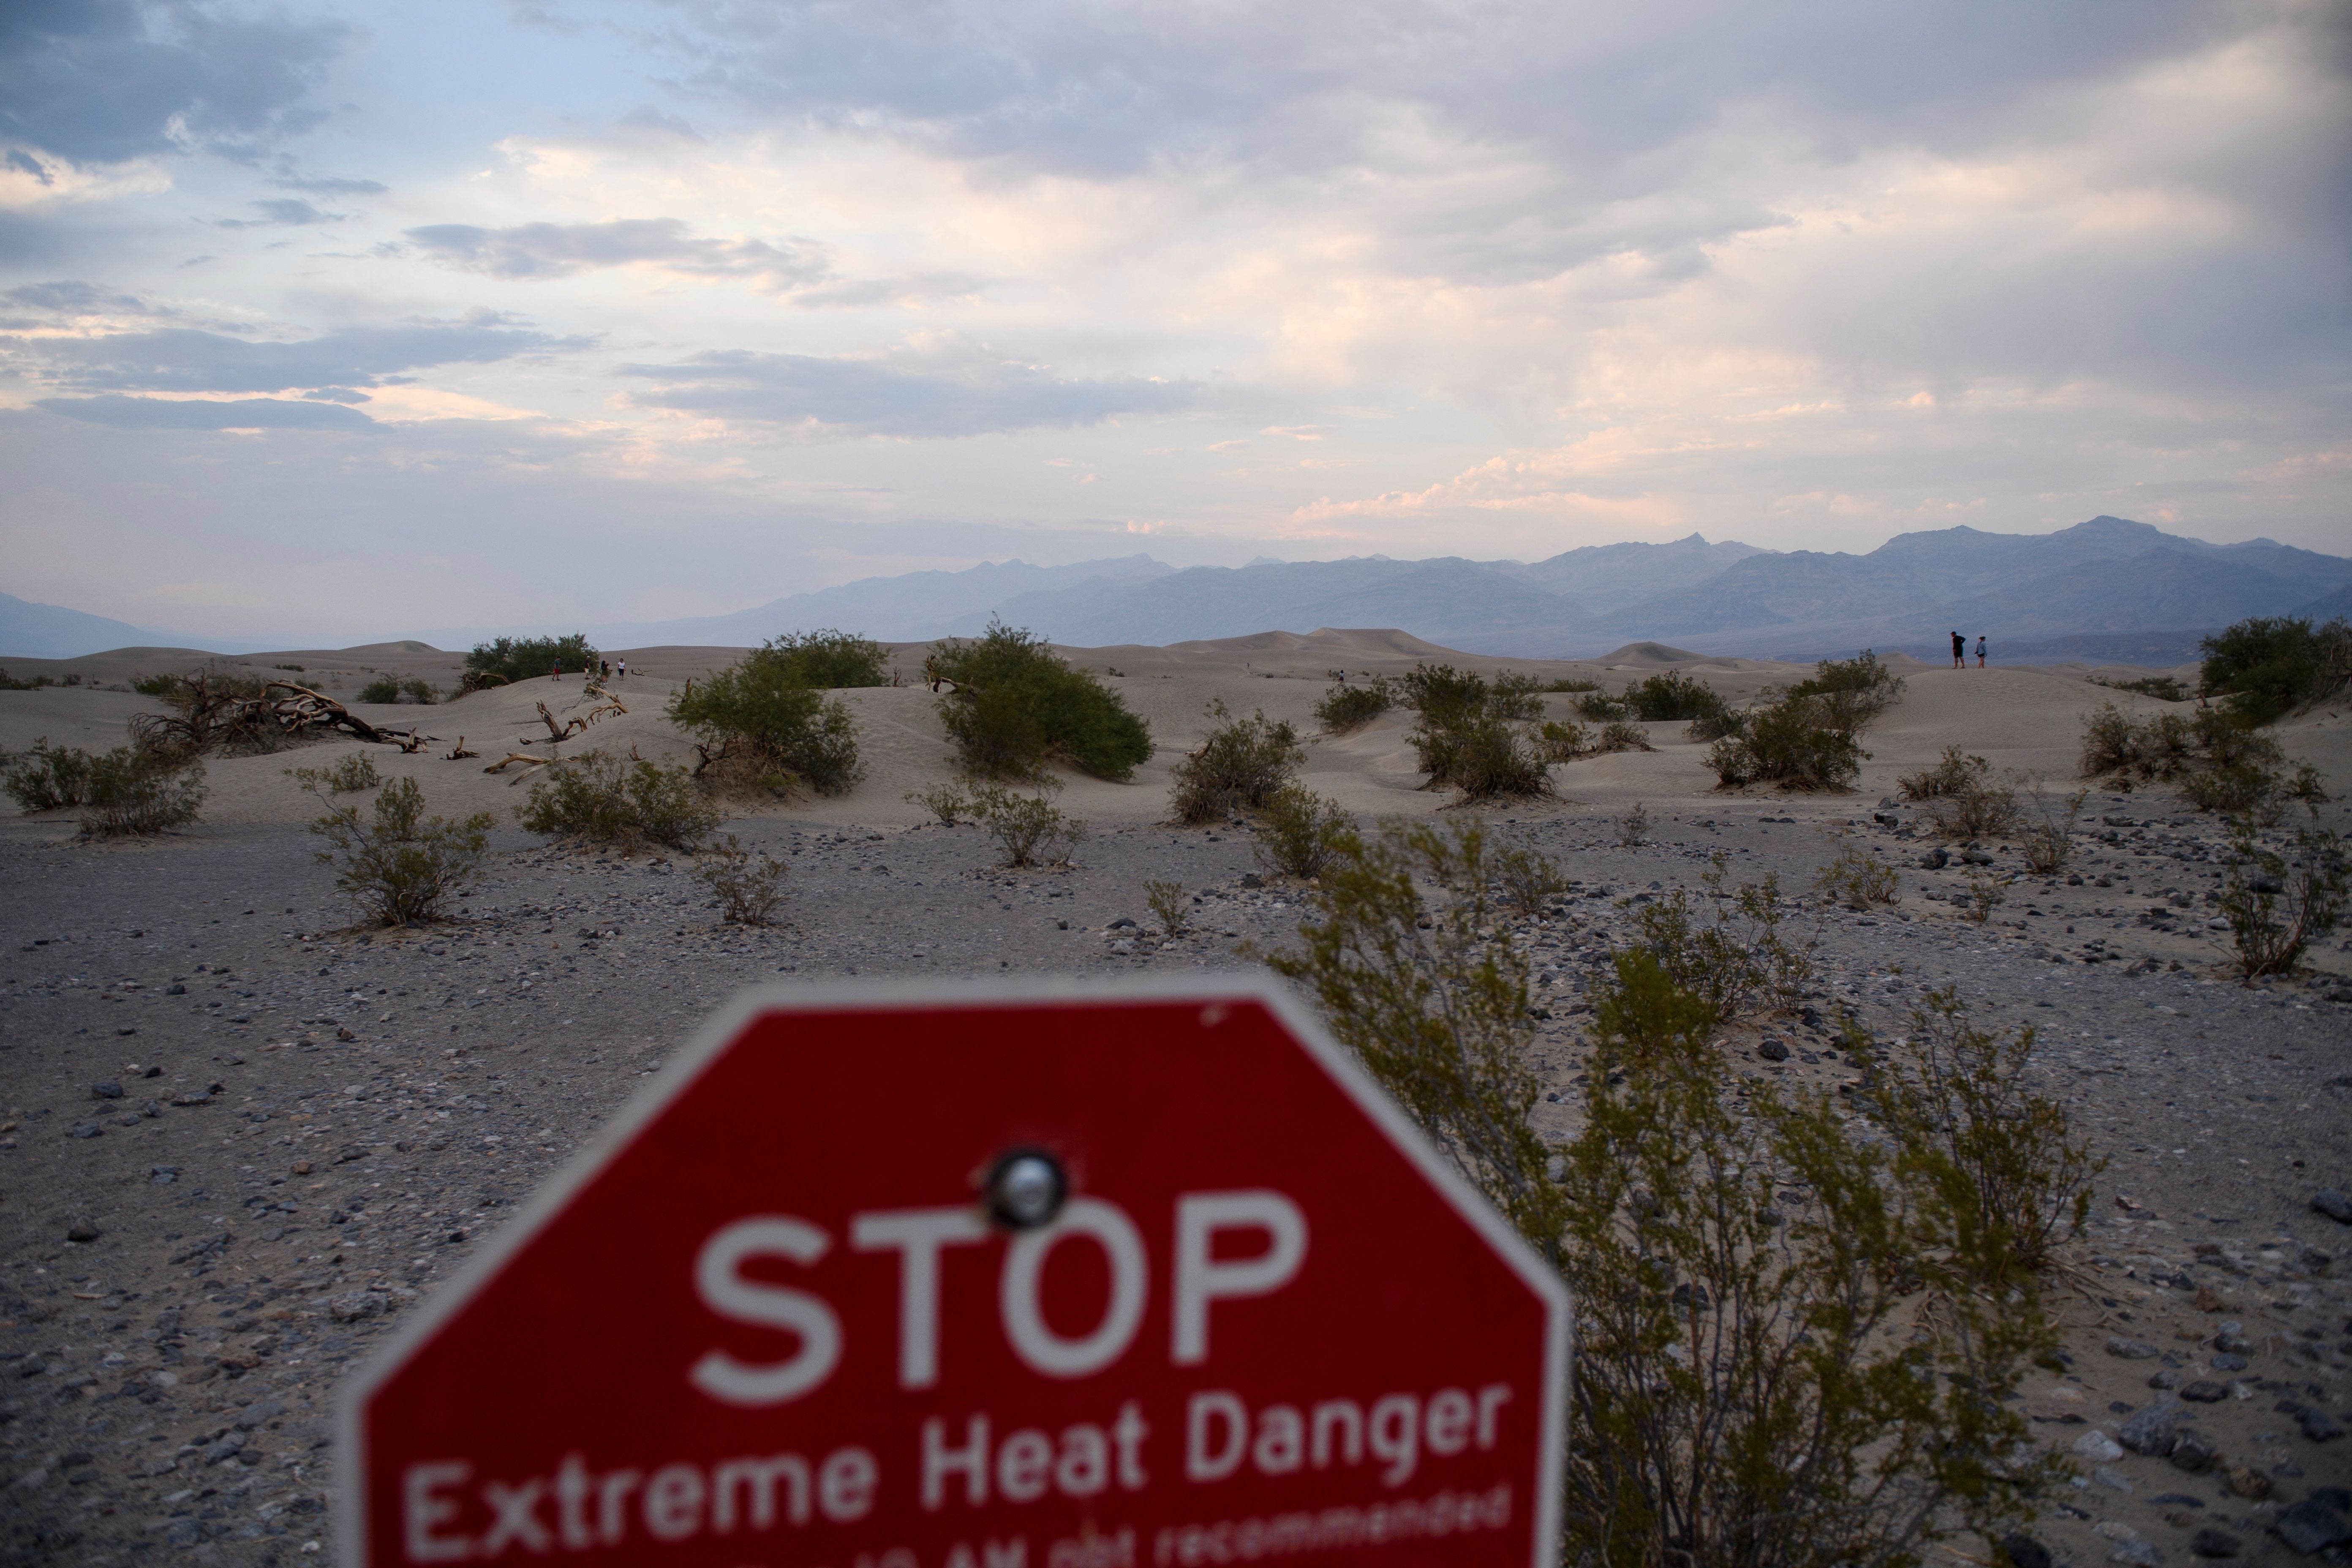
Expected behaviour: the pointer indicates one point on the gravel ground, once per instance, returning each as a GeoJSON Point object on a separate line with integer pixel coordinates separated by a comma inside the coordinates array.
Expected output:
{"type": "Point", "coordinates": [240, 1138]}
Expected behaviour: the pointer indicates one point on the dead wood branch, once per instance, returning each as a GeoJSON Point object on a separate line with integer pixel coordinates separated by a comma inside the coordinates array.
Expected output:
{"type": "Point", "coordinates": [525, 758]}
{"type": "Point", "coordinates": [457, 754]}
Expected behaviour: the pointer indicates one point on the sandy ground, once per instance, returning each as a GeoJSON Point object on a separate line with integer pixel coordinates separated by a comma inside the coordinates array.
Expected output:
{"type": "Point", "coordinates": [317, 1123]}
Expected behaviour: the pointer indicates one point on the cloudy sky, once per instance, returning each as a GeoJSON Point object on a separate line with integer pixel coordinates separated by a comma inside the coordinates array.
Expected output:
{"type": "Point", "coordinates": [341, 319]}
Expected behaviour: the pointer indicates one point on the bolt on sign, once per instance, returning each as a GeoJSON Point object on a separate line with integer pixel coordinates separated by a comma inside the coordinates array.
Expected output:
{"type": "Point", "coordinates": [1033, 1276]}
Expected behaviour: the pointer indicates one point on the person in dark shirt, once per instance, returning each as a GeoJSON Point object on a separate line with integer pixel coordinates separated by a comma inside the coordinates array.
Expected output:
{"type": "Point", "coordinates": [1959, 651]}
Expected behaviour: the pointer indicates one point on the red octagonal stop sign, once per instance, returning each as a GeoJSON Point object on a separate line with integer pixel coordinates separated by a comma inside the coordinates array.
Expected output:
{"type": "Point", "coordinates": [771, 1317]}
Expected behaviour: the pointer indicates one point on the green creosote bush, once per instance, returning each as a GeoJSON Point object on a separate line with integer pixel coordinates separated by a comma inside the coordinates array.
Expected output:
{"type": "Point", "coordinates": [50, 778]}
{"type": "Point", "coordinates": [1237, 768]}
{"type": "Point", "coordinates": [1954, 774]}
{"type": "Point", "coordinates": [1673, 696]}
{"type": "Point", "coordinates": [508, 660]}
{"type": "Point", "coordinates": [14, 683]}
{"type": "Point", "coordinates": [403, 865]}
{"type": "Point", "coordinates": [2279, 901]}
{"type": "Point", "coordinates": [1572, 685]}
{"type": "Point", "coordinates": [1634, 827]}
{"type": "Point", "coordinates": [1982, 895]}
{"type": "Point", "coordinates": [1979, 808]}
{"type": "Point", "coordinates": [947, 802]}
{"type": "Point", "coordinates": [1027, 827]}
{"type": "Point", "coordinates": [1599, 707]}
{"type": "Point", "coordinates": [1169, 906]}
{"type": "Point", "coordinates": [2254, 790]}
{"type": "Point", "coordinates": [1468, 736]}
{"type": "Point", "coordinates": [2163, 688]}
{"type": "Point", "coordinates": [382, 689]}
{"type": "Point", "coordinates": [1527, 880]}
{"type": "Point", "coordinates": [1620, 735]}
{"type": "Point", "coordinates": [1344, 708]}
{"type": "Point", "coordinates": [135, 792]}
{"type": "Point", "coordinates": [1014, 705]}
{"type": "Point", "coordinates": [1798, 738]}
{"type": "Point", "coordinates": [1859, 880]}
{"type": "Point", "coordinates": [2049, 834]}
{"type": "Point", "coordinates": [749, 883]}
{"type": "Point", "coordinates": [1560, 743]}
{"type": "Point", "coordinates": [761, 725]}
{"type": "Point", "coordinates": [828, 660]}
{"type": "Point", "coordinates": [2268, 667]}
{"type": "Point", "coordinates": [354, 773]}
{"type": "Point", "coordinates": [603, 799]}
{"type": "Point", "coordinates": [1754, 1384]}
{"type": "Point", "coordinates": [2013, 1183]}
{"type": "Point", "coordinates": [1298, 832]}
{"type": "Point", "coordinates": [1725, 947]}
{"type": "Point", "coordinates": [164, 686]}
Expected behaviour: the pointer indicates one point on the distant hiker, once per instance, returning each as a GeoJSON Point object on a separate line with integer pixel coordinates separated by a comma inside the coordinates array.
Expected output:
{"type": "Point", "coordinates": [624, 669]}
{"type": "Point", "coordinates": [604, 670]}
{"type": "Point", "coordinates": [1959, 651]}
{"type": "Point", "coordinates": [555, 670]}
{"type": "Point", "coordinates": [1980, 652]}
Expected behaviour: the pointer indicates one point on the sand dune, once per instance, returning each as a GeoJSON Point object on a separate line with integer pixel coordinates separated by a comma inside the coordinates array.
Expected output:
{"type": "Point", "coordinates": [2025, 718]}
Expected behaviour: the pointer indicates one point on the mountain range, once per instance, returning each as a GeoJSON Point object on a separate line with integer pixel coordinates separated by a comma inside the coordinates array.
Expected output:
{"type": "Point", "coordinates": [2107, 589]}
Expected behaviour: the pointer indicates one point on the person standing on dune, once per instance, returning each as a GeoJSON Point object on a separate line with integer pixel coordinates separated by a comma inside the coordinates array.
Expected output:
{"type": "Point", "coordinates": [1959, 651]}
{"type": "Point", "coordinates": [1980, 650]}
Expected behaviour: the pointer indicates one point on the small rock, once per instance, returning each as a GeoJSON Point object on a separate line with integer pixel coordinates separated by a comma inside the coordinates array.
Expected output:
{"type": "Point", "coordinates": [2319, 1425]}
{"type": "Point", "coordinates": [2213, 1540]}
{"type": "Point", "coordinates": [2114, 1479]}
{"type": "Point", "coordinates": [1935, 860]}
{"type": "Point", "coordinates": [2335, 1205]}
{"type": "Point", "coordinates": [2023, 1551]}
{"type": "Point", "coordinates": [354, 1305]}
{"type": "Point", "coordinates": [2165, 1379]}
{"type": "Point", "coordinates": [192, 1097]}
{"type": "Point", "coordinates": [83, 1231]}
{"type": "Point", "coordinates": [2098, 1447]}
{"type": "Point", "coordinates": [2131, 1350]}
{"type": "Point", "coordinates": [163, 1175]}
{"type": "Point", "coordinates": [258, 1412]}
{"type": "Point", "coordinates": [2247, 1482]}
{"type": "Point", "coordinates": [1252, 880]}
{"type": "Point", "coordinates": [1122, 923]}
{"type": "Point", "coordinates": [2206, 1392]}
{"type": "Point", "coordinates": [86, 1129]}
{"type": "Point", "coordinates": [302, 1167]}
{"type": "Point", "coordinates": [1773, 1051]}
{"type": "Point", "coordinates": [2137, 1554]}
{"type": "Point", "coordinates": [2228, 1360]}
{"type": "Point", "coordinates": [2150, 1431]}
{"type": "Point", "coordinates": [2311, 1526]}
{"type": "Point", "coordinates": [109, 1091]}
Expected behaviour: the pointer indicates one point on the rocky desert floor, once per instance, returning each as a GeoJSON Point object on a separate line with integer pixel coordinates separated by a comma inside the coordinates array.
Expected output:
{"type": "Point", "coordinates": [240, 1138]}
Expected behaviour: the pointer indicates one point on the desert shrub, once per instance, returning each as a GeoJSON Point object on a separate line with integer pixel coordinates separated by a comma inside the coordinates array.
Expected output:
{"type": "Point", "coordinates": [1725, 947]}
{"type": "Point", "coordinates": [132, 792]}
{"type": "Point", "coordinates": [1674, 696]}
{"type": "Point", "coordinates": [828, 660]}
{"type": "Point", "coordinates": [749, 883]}
{"type": "Point", "coordinates": [1343, 707]}
{"type": "Point", "coordinates": [1796, 740]}
{"type": "Point", "coordinates": [1620, 735]}
{"type": "Point", "coordinates": [2164, 688]}
{"type": "Point", "coordinates": [382, 689]}
{"type": "Point", "coordinates": [950, 804]}
{"type": "Point", "coordinates": [354, 774]}
{"type": "Point", "coordinates": [48, 778]}
{"type": "Point", "coordinates": [2263, 669]}
{"type": "Point", "coordinates": [759, 724]}
{"type": "Point", "coordinates": [1027, 827]}
{"type": "Point", "coordinates": [2254, 790]}
{"type": "Point", "coordinates": [403, 865]}
{"type": "Point", "coordinates": [1717, 723]}
{"type": "Point", "coordinates": [1858, 879]}
{"type": "Point", "coordinates": [1013, 704]}
{"type": "Point", "coordinates": [1599, 707]}
{"type": "Point", "coordinates": [1526, 879]}
{"type": "Point", "coordinates": [1981, 896]}
{"type": "Point", "coordinates": [1856, 691]}
{"type": "Point", "coordinates": [1242, 763]}
{"type": "Point", "coordinates": [1301, 831]}
{"type": "Point", "coordinates": [2010, 1180]}
{"type": "Point", "coordinates": [1752, 1382]}
{"type": "Point", "coordinates": [1169, 906]}
{"type": "Point", "coordinates": [1570, 684]}
{"type": "Point", "coordinates": [1464, 736]}
{"type": "Point", "coordinates": [1560, 743]}
{"type": "Point", "coordinates": [15, 683]}
{"type": "Point", "coordinates": [2050, 828]}
{"type": "Point", "coordinates": [1978, 808]}
{"type": "Point", "coordinates": [526, 659]}
{"type": "Point", "coordinates": [604, 799]}
{"type": "Point", "coordinates": [1435, 1009]}
{"type": "Point", "coordinates": [2278, 902]}
{"type": "Point", "coordinates": [418, 690]}
{"type": "Point", "coordinates": [1955, 774]}
{"type": "Point", "coordinates": [1634, 827]}
{"type": "Point", "coordinates": [156, 685]}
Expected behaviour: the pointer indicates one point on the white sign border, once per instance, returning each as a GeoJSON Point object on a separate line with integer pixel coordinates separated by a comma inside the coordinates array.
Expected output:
{"type": "Point", "coordinates": [892, 995]}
